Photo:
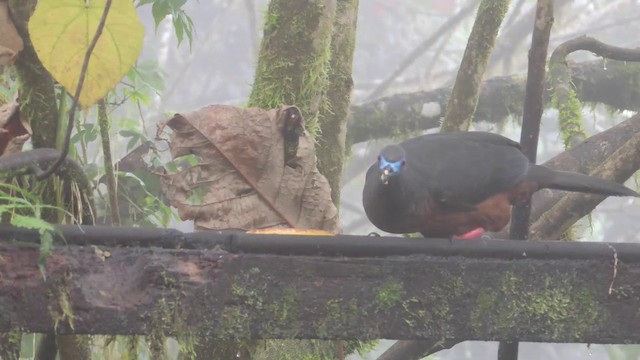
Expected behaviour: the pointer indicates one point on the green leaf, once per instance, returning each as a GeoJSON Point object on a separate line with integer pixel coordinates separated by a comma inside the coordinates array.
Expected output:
{"type": "Point", "coordinates": [46, 231]}
{"type": "Point", "coordinates": [61, 31]}
{"type": "Point", "coordinates": [184, 26]}
{"type": "Point", "coordinates": [30, 222]}
{"type": "Point", "coordinates": [149, 73]}
{"type": "Point", "coordinates": [177, 4]}
{"type": "Point", "coordinates": [160, 9]}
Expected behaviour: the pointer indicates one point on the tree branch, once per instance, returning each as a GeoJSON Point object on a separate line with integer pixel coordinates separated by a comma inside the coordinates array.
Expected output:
{"type": "Point", "coordinates": [464, 96]}
{"type": "Point", "coordinates": [565, 100]}
{"type": "Point", "coordinates": [572, 207]}
{"type": "Point", "coordinates": [583, 158]}
{"type": "Point", "coordinates": [530, 132]}
{"type": "Point", "coordinates": [499, 98]}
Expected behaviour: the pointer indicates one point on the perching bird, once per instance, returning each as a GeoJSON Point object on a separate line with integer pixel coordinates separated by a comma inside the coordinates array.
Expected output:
{"type": "Point", "coordinates": [461, 184]}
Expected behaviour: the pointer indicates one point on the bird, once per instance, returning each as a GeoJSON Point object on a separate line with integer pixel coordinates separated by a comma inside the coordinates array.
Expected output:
{"type": "Point", "coordinates": [460, 185]}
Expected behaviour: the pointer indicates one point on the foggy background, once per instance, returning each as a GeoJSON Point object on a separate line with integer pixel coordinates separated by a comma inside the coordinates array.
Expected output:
{"type": "Point", "coordinates": [220, 65]}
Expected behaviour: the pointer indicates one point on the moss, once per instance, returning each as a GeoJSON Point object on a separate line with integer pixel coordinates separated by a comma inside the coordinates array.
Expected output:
{"type": "Point", "coordinates": [10, 344]}
{"type": "Point", "coordinates": [271, 21]}
{"type": "Point", "coordinates": [388, 295]}
{"type": "Point", "coordinates": [294, 58]}
{"type": "Point", "coordinates": [168, 316]}
{"type": "Point", "coordinates": [37, 96]}
{"type": "Point", "coordinates": [339, 313]}
{"type": "Point", "coordinates": [556, 308]}
{"type": "Point", "coordinates": [287, 309]}
{"type": "Point", "coordinates": [64, 311]}
{"type": "Point", "coordinates": [429, 312]}
{"type": "Point", "coordinates": [493, 9]}
{"type": "Point", "coordinates": [569, 117]}
{"type": "Point", "coordinates": [234, 324]}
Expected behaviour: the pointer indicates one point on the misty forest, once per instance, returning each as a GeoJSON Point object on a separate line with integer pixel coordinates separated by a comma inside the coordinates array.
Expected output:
{"type": "Point", "coordinates": [220, 179]}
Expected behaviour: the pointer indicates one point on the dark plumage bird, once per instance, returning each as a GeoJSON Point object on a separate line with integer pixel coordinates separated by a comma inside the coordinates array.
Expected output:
{"type": "Point", "coordinates": [461, 184]}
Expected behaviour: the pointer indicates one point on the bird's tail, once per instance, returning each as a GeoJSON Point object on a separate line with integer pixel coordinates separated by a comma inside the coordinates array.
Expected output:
{"type": "Point", "coordinates": [570, 181]}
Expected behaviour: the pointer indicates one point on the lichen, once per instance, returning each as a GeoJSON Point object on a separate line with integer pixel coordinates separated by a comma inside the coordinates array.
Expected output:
{"type": "Point", "coordinates": [557, 308]}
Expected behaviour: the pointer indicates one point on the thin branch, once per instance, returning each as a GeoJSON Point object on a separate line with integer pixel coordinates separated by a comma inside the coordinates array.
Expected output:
{"type": "Point", "coordinates": [464, 96]}
{"type": "Point", "coordinates": [72, 112]}
{"type": "Point", "coordinates": [596, 47]}
{"type": "Point", "coordinates": [110, 175]}
{"type": "Point", "coordinates": [533, 107]}
{"type": "Point", "coordinates": [533, 104]}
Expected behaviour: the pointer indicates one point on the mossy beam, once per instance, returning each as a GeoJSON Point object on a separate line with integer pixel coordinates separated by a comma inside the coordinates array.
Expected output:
{"type": "Point", "coordinates": [483, 290]}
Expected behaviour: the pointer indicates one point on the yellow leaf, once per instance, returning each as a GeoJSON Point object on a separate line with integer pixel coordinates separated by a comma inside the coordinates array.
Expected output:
{"type": "Point", "coordinates": [61, 31]}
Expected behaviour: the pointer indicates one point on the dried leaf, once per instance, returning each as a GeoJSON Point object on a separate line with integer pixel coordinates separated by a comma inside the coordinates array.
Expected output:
{"type": "Point", "coordinates": [233, 173]}
{"type": "Point", "coordinates": [14, 129]}
{"type": "Point", "coordinates": [10, 42]}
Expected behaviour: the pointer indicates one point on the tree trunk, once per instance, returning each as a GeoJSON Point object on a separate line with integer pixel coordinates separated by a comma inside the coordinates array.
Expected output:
{"type": "Point", "coordinates": [464, 97]}
{"type": "Point", "coordinates": [294, 57]}
{"type": "Point", "coordinates": [334, 111]}
{"type": "Point", "coordinates": [38, 104]}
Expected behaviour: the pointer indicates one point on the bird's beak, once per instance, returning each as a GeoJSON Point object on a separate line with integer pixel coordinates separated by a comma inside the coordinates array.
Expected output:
{"type": "Point", "coordinates": [384, 177]}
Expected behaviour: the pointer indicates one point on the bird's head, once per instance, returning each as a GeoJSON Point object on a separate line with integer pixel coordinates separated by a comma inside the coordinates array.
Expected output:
{"type": "Point", "coordinates": [391, 161]}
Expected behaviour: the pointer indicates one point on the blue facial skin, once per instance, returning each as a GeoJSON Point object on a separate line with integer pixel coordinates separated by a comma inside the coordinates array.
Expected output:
{"type": "Point", "coordinates": [389, 169]}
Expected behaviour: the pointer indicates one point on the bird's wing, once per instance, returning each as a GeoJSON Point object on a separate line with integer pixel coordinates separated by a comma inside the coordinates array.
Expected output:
{"type": "Point", "coordinates": [460, 170]}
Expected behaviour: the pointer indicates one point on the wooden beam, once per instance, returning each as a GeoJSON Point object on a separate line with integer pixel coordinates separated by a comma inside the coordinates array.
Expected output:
{"type": "Point", "coordinates": [454, 291]}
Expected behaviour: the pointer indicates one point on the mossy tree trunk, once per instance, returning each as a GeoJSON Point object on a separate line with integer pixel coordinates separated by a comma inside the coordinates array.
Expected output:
{"type": "Point", "coordinates": [464, 96]}
{"type": "Point", "coordinates": [305, 60]}
{"type": "Point", "coordinates": [37, 97]}
{"type": "Point", "coordinates": [293, 64]}
{"type": "Point", "coordinates": [333, 114]}
{"type": "Point", "coordinates": [38, 104]}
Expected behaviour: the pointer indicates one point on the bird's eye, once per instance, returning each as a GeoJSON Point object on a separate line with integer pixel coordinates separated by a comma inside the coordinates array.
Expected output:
{"type": "Point", "coordinates": [404, 162]}
{"type": "Point", "coordinates": [379, 157]}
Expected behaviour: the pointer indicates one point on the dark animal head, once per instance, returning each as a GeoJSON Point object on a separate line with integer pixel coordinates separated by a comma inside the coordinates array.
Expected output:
{"type": "Point", "coordinates": [391, 162]}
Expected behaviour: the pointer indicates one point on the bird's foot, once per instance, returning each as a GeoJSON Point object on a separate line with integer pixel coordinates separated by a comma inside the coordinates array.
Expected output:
{"type": "Point", "coordinates": [471, 235]}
